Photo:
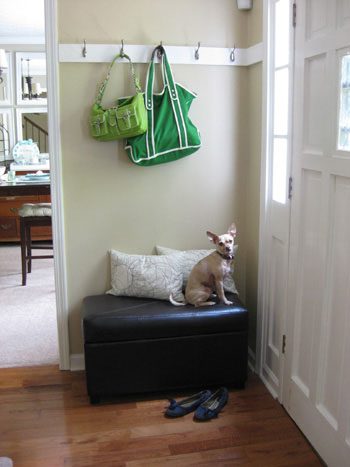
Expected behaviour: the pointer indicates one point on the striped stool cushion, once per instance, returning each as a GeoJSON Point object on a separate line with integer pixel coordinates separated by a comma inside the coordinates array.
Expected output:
{"type": "Point", "coordinates": [30, 210]}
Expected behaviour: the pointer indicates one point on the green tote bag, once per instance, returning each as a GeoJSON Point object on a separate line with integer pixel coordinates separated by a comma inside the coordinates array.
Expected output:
{"type": "Point", "coordinates": [170, 133]}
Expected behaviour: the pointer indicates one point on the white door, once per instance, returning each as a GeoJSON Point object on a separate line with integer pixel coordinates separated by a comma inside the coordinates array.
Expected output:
{"type": "Point", "coordinates": [317, 365]}
{"type": "Point", "coordinates": [275, 244]}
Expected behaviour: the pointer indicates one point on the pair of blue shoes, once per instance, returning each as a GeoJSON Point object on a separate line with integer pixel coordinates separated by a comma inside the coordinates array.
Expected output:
{"type": "Point", "coordinates": [205, 404]}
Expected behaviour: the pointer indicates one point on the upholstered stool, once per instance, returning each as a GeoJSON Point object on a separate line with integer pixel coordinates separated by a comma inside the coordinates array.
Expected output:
{"type": "Point", "coordinates": [139, 345]}
{"type": "Point", "coordinates": [32, 215]}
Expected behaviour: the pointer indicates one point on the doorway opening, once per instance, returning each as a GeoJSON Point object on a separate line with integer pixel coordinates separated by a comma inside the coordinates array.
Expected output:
{"type": "Point", "coordinates": [28, 322]}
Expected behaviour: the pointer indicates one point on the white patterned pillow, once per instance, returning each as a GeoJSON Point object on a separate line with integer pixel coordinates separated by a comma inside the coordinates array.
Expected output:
{"type": "Point", "coordinates": [191, 257]}
{"type": "Point", "coordinates": [147, 276]}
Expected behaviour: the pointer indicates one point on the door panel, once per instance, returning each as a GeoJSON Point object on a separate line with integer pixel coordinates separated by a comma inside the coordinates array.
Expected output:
{"type": "Point", "coordinates": [334, 333]}
{"type": "Point", "coordinates": [316, 18]}
{"type": "Point", "coordinates": [315, 123]}
{"type": "Point", "coordinates": [343, 13]}
{"type": "Point", "coordinates": [308, 281]}
{"type": "Point", "coordinates": [276, 303]}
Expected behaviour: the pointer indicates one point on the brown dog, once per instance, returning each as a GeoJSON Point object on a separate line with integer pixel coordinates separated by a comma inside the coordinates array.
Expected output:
{"type": "Point", "coordinates": [208, 274]}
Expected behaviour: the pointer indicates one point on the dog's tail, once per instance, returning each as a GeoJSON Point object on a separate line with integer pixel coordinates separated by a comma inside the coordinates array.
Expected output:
{"type": "Point", "coordinates": [174, 302]}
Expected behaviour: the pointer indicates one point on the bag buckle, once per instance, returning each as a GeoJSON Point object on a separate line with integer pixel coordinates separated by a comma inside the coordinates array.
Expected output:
{"type": "Point", "coordinates": [98, 125]}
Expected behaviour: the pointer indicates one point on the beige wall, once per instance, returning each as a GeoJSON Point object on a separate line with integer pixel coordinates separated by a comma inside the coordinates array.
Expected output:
{"type": "Point", "coordinates": [111, 203]}
{"type": "Point", "coordinates": [254, 23]}
{"type": "Point", "coordinates": [184, 22]}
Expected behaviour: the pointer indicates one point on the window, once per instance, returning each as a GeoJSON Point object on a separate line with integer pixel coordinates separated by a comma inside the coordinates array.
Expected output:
{"type": "Point", "coordinates": [280, 71]}
{"type": "Point", "coordinates": [344, 108]}
{"type": "Point", "coordinates": [23, 111]}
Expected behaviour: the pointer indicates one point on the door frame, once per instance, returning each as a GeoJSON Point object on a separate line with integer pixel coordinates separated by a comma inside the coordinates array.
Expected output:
{"type": "Point", "coordinates": [51, 41]}
{"type": "Point", "coordinates": [264, 183]}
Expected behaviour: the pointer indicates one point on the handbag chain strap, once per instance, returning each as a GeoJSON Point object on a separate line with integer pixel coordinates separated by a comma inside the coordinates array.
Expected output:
{"type": "Point", "coordinates": [133, 74]}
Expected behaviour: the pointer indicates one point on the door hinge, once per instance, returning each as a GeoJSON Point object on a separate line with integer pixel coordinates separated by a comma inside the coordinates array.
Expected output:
{"type": "Point", "coordinates": [290, 187]}
{"type": "Point", "coordinates": [284, 343]}
{"type": "Point", "coordinates": [294, 15]}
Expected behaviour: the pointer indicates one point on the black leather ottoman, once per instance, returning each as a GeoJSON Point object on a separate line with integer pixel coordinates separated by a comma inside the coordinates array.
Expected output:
{"type": "Point", "coordinates": [138, 345]}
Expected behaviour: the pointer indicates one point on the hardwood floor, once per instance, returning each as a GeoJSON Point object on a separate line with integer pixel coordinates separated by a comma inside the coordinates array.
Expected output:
{"type": "Point", "coordinates": [46, 420]}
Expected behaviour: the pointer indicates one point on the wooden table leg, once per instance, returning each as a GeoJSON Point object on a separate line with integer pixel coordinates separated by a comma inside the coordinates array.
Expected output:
{"type": "Point", "coordinates": [29, 247]}
{"type": "Point", "coordinates": [23, 252]}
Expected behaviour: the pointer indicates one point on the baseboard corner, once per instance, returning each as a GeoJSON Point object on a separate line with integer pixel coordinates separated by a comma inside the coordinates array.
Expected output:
{"type": "Point", "coordinates": [77, 362]}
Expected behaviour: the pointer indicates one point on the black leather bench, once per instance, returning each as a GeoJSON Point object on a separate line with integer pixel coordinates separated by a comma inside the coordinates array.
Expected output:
{"type": "Point", "coordinates": [138, 345]}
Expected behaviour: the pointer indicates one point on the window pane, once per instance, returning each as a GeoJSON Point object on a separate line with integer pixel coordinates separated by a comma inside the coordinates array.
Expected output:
{"type": "Point", "coordinates": [4, 137]}
{"type": "Point", "coordinates": [279, 175]}
{"type": "Point", "coordinates": [281, 33]}
{"type": "Point", "coordinates": [281, 102]}
{"type": "Point", "coordinates": [344, 114]}
{"type": "Point", "coordinates": [4, 87]}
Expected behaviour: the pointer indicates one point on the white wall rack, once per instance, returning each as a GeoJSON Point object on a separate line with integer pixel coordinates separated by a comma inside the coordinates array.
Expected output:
{"type": "Point", "coordinates": [176, 54]}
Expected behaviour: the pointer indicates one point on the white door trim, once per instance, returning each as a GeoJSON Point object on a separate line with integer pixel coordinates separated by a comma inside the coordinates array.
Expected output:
{"type": "Point", "coordinates": [56, 181]}
{"type": "Point", "coordinates": [263, 201]}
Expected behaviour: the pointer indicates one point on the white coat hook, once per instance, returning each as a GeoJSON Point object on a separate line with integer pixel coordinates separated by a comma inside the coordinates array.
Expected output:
{"type": "Point", "coordinates": [196, 54]}
{"type": "Point", "coordinates": [232, 55]}
{"type": "Point", "coordinates": [122, 49]}
{"type": "Point", "coordinates": [84, 49]}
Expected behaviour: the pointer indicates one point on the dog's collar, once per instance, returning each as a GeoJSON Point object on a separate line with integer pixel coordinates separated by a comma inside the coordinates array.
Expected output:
{"type": "Point", "coordinates": [228, 257]}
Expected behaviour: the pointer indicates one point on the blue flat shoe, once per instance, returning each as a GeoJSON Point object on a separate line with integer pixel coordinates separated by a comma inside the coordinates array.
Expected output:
{"type": "Point", "coordinates": [179, 409]}
{"type": "Point", "coordinates": [212, 406]}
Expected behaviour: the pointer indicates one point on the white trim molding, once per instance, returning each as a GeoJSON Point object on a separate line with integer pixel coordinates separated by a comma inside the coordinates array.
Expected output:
{"type": "Point", "coordinates": [184, 55]}
{"type": "Point", "coordinates": [264, 168]}
{"type": "Point", "coordinates": [56, 182]}
{"type": "Point", "coordinates": [252, 360]}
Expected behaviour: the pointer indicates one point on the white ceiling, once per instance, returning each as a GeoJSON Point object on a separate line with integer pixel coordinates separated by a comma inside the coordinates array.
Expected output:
{"type": "Point", "coordinates": [22, 22]}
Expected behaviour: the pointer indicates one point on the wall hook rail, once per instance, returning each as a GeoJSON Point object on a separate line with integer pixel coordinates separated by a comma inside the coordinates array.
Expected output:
{"type": "Point", "coordinates": [84, 52]}
{"type": "Point", "coordinates": [104, 53]}
{"type": "Point", "coordinates": [196, 54]}
{"type": "Point", "coordinates": [232, 54]}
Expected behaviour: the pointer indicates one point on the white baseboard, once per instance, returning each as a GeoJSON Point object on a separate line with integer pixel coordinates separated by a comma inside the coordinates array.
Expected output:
{"type": "Point", "coordinates": [251, 360]}
{"type": "Point", "coordinates": [269, 387]}
{"type": "Point", "coordinates": [77, 362]}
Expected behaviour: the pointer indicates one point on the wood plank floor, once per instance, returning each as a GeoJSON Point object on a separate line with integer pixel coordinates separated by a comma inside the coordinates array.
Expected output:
{"type": "Point", "coordinates": [46, 420]}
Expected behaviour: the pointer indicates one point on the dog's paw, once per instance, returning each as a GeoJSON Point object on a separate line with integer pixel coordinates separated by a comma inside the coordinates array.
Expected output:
{"type": "Point", "coordinates": [227, 302]}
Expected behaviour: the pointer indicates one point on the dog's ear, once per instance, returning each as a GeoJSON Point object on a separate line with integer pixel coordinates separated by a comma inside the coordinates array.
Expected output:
{"type": "Point", "coordinates": [232, 230]}
{"type": "Point", "coordinates": [212, 237]}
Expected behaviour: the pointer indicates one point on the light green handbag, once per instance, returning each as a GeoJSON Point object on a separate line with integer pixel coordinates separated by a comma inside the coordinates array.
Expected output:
{"type": "Point", "coordinates": [171, 135]}
{"type": "Point", "coordinates": [126, 119]}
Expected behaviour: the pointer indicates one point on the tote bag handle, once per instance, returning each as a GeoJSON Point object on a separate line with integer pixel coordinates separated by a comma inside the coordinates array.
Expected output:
{"type": "Point", "coordinates": [167, 78]}
{"type": "Point", "coordinates": [132, 71]}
